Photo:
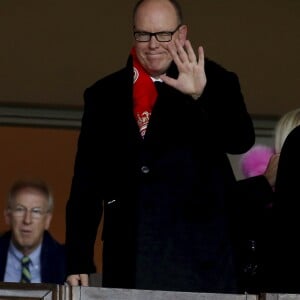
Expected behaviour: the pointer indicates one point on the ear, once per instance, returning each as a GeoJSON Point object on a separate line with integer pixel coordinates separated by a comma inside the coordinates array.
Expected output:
{"type": "Point", "coordinates": [48, 220]}
{"type": "Point", "coordinates": [182, 34]}
{"type": "Point", "coordinates": [7, 217]}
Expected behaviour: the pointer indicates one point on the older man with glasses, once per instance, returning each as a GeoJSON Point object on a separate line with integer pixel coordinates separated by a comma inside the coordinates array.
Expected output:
{"type": "Point", "coordinates": [152, 158]}
{"type": "Point", "coordinates": [28, 253]}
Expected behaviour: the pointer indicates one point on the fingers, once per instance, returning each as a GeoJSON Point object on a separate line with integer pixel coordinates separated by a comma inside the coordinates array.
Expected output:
{"type": "Point", "coordinates": [185, 53]}
{"type": "Point", "coordinates": [190, 52]}
{"type": "Point", "coordinates": [174, 49]}
{"type": "Point", "coordinates": [192, 78]}
{"type": "Point", "coordinates": [73, 280]}
{"type": "Point", "coordinates": [201, 56]}
{"type": "Point", "coordinates": [78, 279]}
{"type": "Point", "coordinates": [84, 278]}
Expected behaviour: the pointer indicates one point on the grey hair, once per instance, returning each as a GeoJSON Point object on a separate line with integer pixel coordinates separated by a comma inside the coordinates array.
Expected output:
{"type": "Point", "coordinates": [34, 184]}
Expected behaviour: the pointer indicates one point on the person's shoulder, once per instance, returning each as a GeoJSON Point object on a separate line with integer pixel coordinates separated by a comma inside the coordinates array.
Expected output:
{"type": "Point", "coordinates": [293, 136]}
{"type": "Point", "coordinates": [287, 183]}
{"type": "Point", "coordinates": [210, 63]}
{"type": "Point", "coordinates": [4, 241]}
{"type": "Point", "coordinates": [113, 79]}
{"type": "Point", "coordinates": [108, 80]}
{"type": "Point", "coordinates": [53, 253]}
{"type": "Point", "coordinates": [5, 236]}
{"type": "Point", "coordinates": [50, 241]}
{"type": "Point", "coordinates": [220, 76]}
{"type": "Point", "coordinates": [112, 84]}
{"type": "Point", "coordinates": [213, 67]}
{"type": "Point", "coordinates": [292, 142]}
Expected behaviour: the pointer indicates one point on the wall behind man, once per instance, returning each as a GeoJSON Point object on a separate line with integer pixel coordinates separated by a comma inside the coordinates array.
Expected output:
{"type": "Point", "coordinates": [52, 49]}
{"type": "Point", "coordinates": [46, 153]}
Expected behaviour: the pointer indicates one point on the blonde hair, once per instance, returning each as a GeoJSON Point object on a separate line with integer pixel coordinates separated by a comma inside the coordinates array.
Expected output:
{"type": "Point", "coordinates": [284, 126]}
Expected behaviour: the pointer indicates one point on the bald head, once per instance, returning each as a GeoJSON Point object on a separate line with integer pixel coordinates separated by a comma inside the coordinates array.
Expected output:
{"type": "Point", "coordinates": [173, 3]}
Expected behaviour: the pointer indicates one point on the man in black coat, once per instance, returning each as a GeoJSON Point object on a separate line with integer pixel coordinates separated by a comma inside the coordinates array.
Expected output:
{"type": "Point", "coordinates": [153, 159]}
{"type": "Point", "coordinates": [28, 214]}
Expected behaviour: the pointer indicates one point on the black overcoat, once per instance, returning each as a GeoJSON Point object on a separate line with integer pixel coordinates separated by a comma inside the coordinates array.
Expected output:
{"type": "Point", "coordinates": [164, 196]}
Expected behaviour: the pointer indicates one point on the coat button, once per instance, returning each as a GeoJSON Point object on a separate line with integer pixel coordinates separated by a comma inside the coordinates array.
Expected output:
{"type": "Point", "coordinates": [145, 169]}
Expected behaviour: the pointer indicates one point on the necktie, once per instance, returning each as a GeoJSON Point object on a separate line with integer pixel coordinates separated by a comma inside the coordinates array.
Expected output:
{"type": "Point", "coordinates": [25, 275]}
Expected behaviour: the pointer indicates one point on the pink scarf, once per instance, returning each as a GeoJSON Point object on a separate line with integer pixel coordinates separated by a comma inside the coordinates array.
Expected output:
{"type": "Point", "coordinates": [144, 94]}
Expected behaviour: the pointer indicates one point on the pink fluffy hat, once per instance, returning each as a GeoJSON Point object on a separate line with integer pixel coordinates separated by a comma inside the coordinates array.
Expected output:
{"type": "Point", "coordinates": [255, 161]}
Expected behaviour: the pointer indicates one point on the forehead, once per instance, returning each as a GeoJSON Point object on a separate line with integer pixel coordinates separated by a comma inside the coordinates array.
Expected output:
{"type": "Point", "coordinates": [156, 14]}
{"type": "Point", "coordinates": [30, 197]}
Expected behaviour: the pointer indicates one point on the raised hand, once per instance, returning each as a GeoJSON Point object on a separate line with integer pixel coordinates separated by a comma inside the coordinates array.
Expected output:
{"type": "Point", "coordinates": [192, 77]}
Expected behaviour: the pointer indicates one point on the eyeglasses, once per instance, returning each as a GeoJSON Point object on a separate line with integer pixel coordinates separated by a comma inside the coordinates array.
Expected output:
{"type": "Point", "coordinates": [161, 36]}
{"type": "Point", "coordinates": [21, 211]}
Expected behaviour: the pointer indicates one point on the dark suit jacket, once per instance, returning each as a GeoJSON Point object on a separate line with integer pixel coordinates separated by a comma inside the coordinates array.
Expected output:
{"type": "Point", "coordinates": [284, 252]}
{"type": "Point", "coordinates": [164, 196]}
{"type": "Point", "coordinates": [53, 261]}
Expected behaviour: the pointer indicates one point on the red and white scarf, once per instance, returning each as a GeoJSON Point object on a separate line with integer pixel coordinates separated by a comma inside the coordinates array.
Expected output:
{"type": "Point", "coordinates": [144, 94]}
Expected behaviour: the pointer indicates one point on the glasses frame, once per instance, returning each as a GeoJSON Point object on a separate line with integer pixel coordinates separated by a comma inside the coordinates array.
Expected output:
{"type": "Point", "coordinates": [21, 211]}
{"type": "Point", "coordinates": [149, 35]}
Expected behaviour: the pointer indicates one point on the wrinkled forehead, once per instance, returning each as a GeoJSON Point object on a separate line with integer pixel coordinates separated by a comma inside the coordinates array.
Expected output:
{"type": "Point", "coordinates": [30, 195]}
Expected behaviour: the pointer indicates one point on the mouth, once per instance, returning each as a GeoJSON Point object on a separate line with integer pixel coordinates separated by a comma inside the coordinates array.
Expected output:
{"type": "Point", "coordinates": [156, 52]}
{"type": "Point", "coordinates": [154, 55]}
{"type": "Point", "coordinates": [26, 232]}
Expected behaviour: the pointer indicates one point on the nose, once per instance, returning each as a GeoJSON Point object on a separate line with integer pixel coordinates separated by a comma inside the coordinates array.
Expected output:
{"type": "Point", "coordinates": [153, 43]}
{"type": "Point", "coordinates": [27, 217]}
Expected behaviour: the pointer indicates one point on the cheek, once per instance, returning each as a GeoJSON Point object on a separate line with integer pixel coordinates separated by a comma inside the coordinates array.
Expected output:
{"type": "Point", "coordinates": [142, 58]}
{"type": "Point", "coordinates": [139, 52]}
{"type": "Point", "coordinates": [13, 223]}
{"type": "Point", "coordinates": [15, 228]}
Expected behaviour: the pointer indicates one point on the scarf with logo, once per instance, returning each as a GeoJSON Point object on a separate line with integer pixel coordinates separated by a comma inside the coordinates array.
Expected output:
{"type": "Point", "coordinates": [144, 94]}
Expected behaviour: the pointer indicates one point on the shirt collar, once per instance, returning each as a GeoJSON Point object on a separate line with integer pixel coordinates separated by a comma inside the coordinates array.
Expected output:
{"type": "Point", "coordinates": [34, 256]}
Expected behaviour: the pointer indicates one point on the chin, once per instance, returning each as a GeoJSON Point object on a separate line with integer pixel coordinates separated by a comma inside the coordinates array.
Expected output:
{"type": "Point", "coordinates": [157, 72]}
{"type": "Point", "coordinates": [154, 74]}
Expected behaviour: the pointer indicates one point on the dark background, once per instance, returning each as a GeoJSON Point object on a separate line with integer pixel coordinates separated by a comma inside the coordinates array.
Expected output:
{"type": "Point", "coordinates": [52, 49]}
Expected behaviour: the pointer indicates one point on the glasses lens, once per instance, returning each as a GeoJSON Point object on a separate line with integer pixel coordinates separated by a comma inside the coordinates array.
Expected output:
{"type": "Point", "coordinates": [164, 36]}
{"type": "Point", "coordinates": [142, 36]}
{"type": "Point", "coordinates": [19, 211]}
{"type": "Point", "coordinates": [36, 213]}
